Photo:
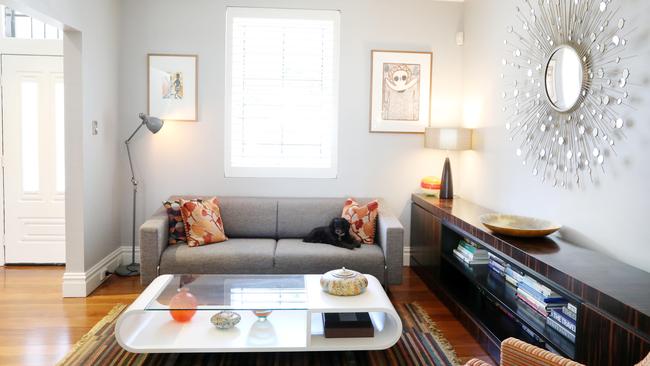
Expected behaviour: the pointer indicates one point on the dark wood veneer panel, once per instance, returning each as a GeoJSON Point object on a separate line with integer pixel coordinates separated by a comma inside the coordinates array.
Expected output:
{"type": "Point", "coordinates": [608, 342]}
{"type": "Point", "coordinates": [615, 288]}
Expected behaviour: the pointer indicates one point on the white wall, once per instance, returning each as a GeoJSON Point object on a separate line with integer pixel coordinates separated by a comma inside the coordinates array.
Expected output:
{"type": "Point", "coordinates": [91, 68]}
{"type": "Point", "coordinates": [187, 157]}
{"type": "Point", "coordinates": [611, 216]}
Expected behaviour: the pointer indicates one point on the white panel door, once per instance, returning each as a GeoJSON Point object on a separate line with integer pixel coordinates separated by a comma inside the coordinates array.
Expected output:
{"type": "Point", "coordinates": [33, 147]}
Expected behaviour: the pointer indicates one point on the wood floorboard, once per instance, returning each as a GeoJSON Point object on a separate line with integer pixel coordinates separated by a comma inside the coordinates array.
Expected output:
{"type": "Point", "coordinates": [38, 326]}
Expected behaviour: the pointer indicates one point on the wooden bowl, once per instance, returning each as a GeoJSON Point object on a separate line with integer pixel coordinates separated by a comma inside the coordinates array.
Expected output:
{"type": "Point", "coordinates": [519, 226]}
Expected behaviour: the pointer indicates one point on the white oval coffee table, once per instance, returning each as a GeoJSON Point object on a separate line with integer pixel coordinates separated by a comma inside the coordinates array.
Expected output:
{"type": "Point", "coordinates": [295, 324]}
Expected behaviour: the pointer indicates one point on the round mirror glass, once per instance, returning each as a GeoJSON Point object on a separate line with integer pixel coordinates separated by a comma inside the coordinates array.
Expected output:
{"type": "Point", "coordinates": [564, 77]}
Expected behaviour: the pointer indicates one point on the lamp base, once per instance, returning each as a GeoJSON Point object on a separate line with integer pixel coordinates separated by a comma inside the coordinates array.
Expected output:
{"type": "Point", "coordinates": [128, 270]}
{"type": "Point", "coordinates": [446, 183]}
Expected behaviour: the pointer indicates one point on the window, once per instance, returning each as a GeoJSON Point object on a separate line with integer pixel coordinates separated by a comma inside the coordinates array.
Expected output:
{"type": "Point", "coordinates": [19, 25]}
{"type": "Point", "coordinates": [281, 93]}
{"type": "Point", "coordinates": [30, 135]}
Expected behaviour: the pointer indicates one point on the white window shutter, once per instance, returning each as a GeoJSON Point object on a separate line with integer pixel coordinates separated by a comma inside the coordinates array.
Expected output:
{"type": "Point", "coordinates": [281, 93]}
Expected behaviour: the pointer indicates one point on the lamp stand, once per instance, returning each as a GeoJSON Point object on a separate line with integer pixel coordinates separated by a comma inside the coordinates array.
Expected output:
{"type": "Point", "coordinates": [132, 269]}
{"type": "Point", "coordinates": [446, 182]}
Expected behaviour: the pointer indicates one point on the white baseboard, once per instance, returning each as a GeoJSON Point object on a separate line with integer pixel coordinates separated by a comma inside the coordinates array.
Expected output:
{"type": "Point", "coordinates": [126, 254]}
{"type": "Point", "coordinates": [81, 284]}
{"type": "Point", "coordinates": [407, 256]}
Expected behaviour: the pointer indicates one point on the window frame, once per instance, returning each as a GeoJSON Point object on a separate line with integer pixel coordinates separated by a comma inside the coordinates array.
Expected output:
{"type": "Point", "coordinates": [279, 172]}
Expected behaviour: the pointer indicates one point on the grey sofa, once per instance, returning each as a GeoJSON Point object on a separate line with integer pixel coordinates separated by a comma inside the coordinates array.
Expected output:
{"type": "Point", "coordinates": [265, 238]}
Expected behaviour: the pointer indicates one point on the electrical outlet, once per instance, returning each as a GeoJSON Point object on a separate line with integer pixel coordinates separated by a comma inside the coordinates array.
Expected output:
{"type": "Point", "coordinates": [102, 274]}
{"type": "Point", "coordinates": [95, 127]}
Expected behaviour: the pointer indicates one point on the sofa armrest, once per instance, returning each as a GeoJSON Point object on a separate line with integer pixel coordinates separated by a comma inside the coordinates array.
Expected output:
{"type": "Point", "coordinates": [390, 236]}
{"type": "Point", "coordinates": [154, 236]}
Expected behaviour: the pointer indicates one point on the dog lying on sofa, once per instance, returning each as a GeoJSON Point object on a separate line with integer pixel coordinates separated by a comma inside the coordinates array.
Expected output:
{"type": "Point", "coordinates": [337, 234]}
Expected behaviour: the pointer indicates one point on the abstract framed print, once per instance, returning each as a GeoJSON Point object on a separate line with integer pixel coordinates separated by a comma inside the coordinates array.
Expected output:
{"type": "Point", "coordinates": [173, 86]}
{"type": "Point", "coordinates": [400, 91]}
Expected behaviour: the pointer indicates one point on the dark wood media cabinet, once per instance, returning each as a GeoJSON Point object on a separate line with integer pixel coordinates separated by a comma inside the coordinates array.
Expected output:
{"type": "Point", "coordinates": [613, 299]}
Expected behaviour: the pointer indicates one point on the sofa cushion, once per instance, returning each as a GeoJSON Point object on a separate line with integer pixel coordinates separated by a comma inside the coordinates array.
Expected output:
{"type": "Point", "coordinates": [295, 256]}
{"type": "Point", "coordinates": [298, 216]}
{"type": "Point", "coordinates": [362, 219]}
{"type": "Point", "coordinates": [232, 256]}
{"type": "Point", "coordinates": [175, 223]}
{"type": "Point", "coordinates": [203, 224]}
{"type": "Point", "coordinates": [245, 217]}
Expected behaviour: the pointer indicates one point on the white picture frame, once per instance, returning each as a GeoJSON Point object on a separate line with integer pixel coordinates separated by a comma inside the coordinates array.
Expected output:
{"type": "Point", "coordinates": [172, 92]}
{"type": "Point", "coordinates": [400, 91]}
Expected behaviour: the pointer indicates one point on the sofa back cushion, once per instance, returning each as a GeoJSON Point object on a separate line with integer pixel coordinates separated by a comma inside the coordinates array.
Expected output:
{"type": "Point", "coordinates": [298, 216]}
{"type": "Point", "coordinates": [247, 217]}
{"type": "Point", "coordinates": [277, 218]}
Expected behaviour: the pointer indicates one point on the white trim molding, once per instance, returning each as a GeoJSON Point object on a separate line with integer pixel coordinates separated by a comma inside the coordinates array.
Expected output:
{"type": "Point", "coordinates": [407, 256]}
{"type": "Point", "coordinates": [126, 254]}
{"type": "Point", "coordinates": [82, 284]}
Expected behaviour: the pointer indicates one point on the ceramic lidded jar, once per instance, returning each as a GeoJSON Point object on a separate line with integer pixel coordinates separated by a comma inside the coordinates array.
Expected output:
{"type": "Point", "coordinates": [225, 319]}
{"type": "Point", "coordinates": [343, 282]}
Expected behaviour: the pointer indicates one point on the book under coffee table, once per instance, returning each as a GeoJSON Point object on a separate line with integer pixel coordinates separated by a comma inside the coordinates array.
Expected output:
{"type": "Point", "coordinates": [296, 323]}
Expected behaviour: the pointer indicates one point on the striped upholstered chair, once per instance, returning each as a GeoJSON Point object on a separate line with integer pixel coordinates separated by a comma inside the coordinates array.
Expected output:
{"type": "Point", "coordinates": [519, 353]}
{"type": "Point", "coordinates": [645, 361]}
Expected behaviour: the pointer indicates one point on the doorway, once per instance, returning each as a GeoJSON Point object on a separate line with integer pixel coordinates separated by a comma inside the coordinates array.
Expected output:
{"type": "Point", "coordinates": [33, 149]}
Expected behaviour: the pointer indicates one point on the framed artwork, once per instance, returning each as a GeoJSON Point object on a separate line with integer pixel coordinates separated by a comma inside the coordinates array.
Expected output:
{"type": "Point", "coordinates": [173, 86]}
{"type": "Point", "coordinates": [400, 91]}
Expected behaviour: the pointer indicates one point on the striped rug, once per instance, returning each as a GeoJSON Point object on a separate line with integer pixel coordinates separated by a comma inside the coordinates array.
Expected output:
{"type": "Point", "coordinates": [421, 344]}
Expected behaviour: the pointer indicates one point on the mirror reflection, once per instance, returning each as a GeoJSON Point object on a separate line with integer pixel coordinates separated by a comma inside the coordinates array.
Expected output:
{"type": "Point", "coordinates": [564, 77]}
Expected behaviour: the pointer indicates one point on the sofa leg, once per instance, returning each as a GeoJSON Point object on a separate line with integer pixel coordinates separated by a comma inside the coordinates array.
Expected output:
{"type": "Point", "coordinates": [385, 283]}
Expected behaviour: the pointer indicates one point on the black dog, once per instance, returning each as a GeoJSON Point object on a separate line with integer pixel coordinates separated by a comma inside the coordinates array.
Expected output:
{"type": "Point", "coordinates": [337, 234]}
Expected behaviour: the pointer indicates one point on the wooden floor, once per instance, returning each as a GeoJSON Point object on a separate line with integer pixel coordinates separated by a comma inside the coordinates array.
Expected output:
{"type": "Point", "coordinates": [38, 326]}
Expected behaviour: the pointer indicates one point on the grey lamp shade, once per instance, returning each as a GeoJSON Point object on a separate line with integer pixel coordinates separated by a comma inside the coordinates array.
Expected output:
{"type": "Point", "coordinates": [448, 138]}
{"type": "Point", "coordinates": [153, 124]}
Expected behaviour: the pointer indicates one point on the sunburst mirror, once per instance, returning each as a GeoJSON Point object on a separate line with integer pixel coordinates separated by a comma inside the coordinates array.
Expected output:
{"type": "Point", "coordinates": [565, 83]}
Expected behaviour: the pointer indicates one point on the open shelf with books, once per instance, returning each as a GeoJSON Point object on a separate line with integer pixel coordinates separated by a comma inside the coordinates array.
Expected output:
{"type": "Point", "coordinates": [546, 291]}
{"type": "Point", "coordinates": [509, 300]}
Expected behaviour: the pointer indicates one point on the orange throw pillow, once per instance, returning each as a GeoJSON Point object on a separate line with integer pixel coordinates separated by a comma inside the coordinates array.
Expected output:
{"type": "Point", "coordinates": [203, 224]}
{"type": "Point", "coordinates": [362, 219]}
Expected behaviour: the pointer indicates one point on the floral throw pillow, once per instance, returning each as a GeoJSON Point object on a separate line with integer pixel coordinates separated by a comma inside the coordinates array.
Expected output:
{"type": "Point", "coordinates": [362, 219]}
{"type": "Point", "coordinates": [176, 225]}
{"type": "Point", "coordinates": [203, 223]}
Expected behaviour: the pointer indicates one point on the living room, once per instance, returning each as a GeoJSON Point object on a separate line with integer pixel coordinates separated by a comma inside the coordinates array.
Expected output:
{"type": "Point", "coordinates": [470, 174]}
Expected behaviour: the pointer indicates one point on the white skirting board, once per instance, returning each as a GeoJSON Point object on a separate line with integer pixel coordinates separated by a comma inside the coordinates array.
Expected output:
{"type": "Point", "coordinates": [126, 254]}
{"type": "Point", "coordinates": [407, 256]}
{"type": "Point", "coordinates": [81, 284]}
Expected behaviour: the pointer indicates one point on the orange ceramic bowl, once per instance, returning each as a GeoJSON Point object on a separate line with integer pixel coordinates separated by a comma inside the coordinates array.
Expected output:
{"type": "Point", "coordinates": [430, 185]}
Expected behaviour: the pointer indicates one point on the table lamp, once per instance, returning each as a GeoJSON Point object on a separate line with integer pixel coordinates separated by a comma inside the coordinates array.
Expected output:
{"type": "Point", "coordinates": [447, 139]}
{"type": "Point", "coordinates": [154, 125]}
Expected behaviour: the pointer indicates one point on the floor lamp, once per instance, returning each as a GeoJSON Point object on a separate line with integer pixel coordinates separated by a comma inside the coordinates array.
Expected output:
{"type": "Point", "coordinates": [154, 125]}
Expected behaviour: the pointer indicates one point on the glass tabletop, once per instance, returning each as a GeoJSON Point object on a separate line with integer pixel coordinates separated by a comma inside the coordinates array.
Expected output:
{"type": "Point", "coordinates": [232, 292]}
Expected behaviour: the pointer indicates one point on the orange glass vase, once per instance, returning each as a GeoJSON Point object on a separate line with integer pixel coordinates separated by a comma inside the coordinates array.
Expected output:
{"type": "Point", "coordinates": [183, 306]}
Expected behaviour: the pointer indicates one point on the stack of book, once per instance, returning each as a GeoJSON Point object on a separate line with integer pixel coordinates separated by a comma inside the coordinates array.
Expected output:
{"type": "Point", "coordinates": [471, 253]}
{"type": "Point", "coordinates": [563, 320]}
{"type": "Point", "coordinates": [496, 264]}
{"type": "Point", "coordinates": [539, 297]}
{"type": "Point", "coordinates": [512, 276]}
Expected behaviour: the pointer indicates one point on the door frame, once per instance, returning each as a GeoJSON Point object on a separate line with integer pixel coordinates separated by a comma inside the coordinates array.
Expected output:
{"type": "Point", "coordinates": [18, 47]}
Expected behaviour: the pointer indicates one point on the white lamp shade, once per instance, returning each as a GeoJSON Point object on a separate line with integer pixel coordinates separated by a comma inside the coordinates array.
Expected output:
{"type": "Point", "coordinates": [448, 138]}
